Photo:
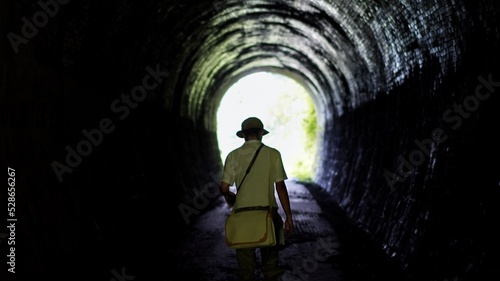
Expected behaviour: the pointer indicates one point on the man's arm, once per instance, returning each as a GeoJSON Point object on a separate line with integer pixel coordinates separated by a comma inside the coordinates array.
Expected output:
{"type": "Point", "coordinates": [285, 204]}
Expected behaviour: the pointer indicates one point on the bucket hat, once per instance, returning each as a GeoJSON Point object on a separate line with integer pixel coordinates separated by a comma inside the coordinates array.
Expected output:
{"type": "Point", "coordinates": [251, 123]}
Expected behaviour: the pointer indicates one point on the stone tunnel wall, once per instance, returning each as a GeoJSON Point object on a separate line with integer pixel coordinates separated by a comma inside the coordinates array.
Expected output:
{"type": "Point", "coordinates": [414, 168]}
{"type": "Point", "coordinates": [430, 206]}
{"type": "Point", "coordinates": [101, 162]}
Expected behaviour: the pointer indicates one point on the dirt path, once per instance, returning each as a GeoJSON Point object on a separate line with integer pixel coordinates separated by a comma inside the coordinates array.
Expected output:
{"type": "Point", "coordinates": [314, 252]}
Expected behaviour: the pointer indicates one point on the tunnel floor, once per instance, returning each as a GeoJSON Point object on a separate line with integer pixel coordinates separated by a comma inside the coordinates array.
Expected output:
{"type": "Point", "coordinates": [323, 247]}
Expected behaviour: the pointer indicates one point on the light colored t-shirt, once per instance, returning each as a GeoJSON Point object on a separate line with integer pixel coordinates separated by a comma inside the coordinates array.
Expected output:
{"type": "Point", "coordinates": [258, 187]}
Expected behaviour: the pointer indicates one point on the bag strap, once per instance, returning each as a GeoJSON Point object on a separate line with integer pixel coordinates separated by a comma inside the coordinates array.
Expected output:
{"type": "Point", "coordinates": [250, 166]}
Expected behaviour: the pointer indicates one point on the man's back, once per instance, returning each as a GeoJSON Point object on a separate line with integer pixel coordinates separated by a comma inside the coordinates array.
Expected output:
{"type": "Point", "coordinates": [259, 183]}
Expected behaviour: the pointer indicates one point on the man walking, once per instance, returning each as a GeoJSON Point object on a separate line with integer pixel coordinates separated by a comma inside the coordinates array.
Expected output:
{"type": "Point", "coordinates": [267, 173]}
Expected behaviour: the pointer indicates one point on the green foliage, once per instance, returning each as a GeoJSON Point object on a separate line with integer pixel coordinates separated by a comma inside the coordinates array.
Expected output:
{"type": "Point", "coordinates": [304, 169]}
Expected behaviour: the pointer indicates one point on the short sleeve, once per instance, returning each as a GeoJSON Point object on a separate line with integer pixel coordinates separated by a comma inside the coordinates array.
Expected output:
{"type": "Point", "coordinates": [280, 169]}
{"type": "Point", "coordinates": [228, 172]}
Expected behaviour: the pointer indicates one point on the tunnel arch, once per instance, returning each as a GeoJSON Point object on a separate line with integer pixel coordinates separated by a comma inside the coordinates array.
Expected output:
{"type": "Point", "coordinates": [365, 60]}
{"type": "Point", "coordinates": [342, 63]}
{"type": "Point", "coordinates": [360, 59]}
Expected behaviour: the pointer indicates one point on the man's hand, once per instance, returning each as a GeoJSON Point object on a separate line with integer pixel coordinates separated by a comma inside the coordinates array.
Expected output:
{"type": "Point", "coordinates": [288, 227]}
{"type": "Point", "coordinates": [230, 198]}
{"type": "Point", "coordinates": [228, 195]}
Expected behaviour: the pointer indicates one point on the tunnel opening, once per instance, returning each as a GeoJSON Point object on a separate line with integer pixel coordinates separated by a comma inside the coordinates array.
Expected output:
{"type": "Point", "coordinates": [287, 111]}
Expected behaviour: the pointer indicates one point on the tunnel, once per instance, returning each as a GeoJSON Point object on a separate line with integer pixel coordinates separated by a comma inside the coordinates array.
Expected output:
{"type": "Point", "coordinates": [109, 125]}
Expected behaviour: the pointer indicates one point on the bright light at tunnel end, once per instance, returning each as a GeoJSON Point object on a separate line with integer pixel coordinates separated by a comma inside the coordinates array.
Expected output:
{"type": "Point", "coordinates": [287, 111]}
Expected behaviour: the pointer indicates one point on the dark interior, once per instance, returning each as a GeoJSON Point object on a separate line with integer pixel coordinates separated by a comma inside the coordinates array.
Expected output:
{"type": "Point", "coordinates": [109, 119]}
